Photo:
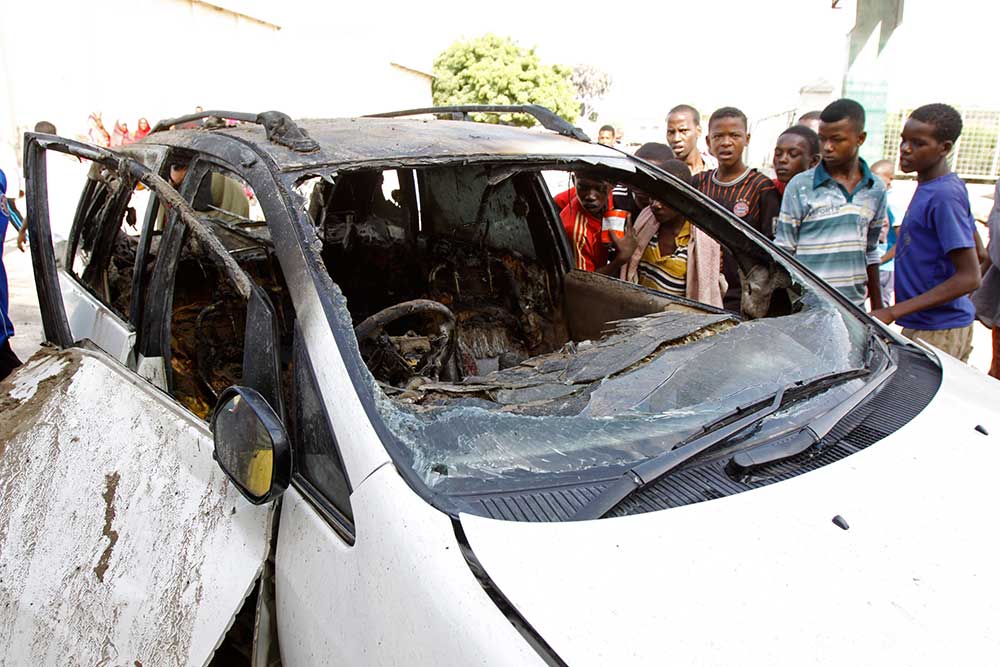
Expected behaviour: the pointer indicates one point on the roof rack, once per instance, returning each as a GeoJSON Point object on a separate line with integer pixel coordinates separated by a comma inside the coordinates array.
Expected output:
{"type": "Point", "coordinates": [546, 117]}
{"type": "Point", "coordinates": [201, 115]}
{"type": "Point", "coordinates": [280, 128]}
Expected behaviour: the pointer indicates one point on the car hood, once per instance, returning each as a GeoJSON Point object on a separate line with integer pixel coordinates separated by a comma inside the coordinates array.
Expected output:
{"type": "Point", "coordinates": [766, 577]}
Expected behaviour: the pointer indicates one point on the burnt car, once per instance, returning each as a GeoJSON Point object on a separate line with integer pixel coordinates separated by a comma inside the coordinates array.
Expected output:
{"type": "Point", "coordinates": [452, 447]}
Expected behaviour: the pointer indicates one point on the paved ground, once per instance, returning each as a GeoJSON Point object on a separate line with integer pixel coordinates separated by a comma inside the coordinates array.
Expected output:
{"type": "Point", "coordinates": [23, 299]}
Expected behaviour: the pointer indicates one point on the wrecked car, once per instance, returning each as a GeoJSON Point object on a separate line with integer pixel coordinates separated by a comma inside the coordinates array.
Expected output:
{"type": "Point", "coordinates": [330, 392]}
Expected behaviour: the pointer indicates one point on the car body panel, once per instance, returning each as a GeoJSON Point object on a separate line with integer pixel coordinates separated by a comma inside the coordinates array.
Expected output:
{"type": "Point", "coordinates": [766, 577]}
{"type": "Point", "coordinates": [91, 320]}
{"type": "Point", "coordinates": [121, 539]}
{"type": "Point", "coordinates": [402, 594]}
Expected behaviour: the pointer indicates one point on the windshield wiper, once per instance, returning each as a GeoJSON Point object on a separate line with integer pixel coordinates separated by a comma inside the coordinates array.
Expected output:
{"type": "Point", "coordinates": [719, 431]}
{"type": "Point", "coordinates": [784, 447]}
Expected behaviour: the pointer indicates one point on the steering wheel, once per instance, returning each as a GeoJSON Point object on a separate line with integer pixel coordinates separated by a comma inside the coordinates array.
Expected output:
{"type": "Point", "coordinates": [442, 344]}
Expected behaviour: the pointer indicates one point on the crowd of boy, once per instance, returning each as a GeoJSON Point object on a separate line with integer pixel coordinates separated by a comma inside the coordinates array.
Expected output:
{"type": "Point", "coordinates": [825, 206]}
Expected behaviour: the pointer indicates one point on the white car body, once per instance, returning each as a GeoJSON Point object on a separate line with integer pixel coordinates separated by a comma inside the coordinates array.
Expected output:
{"type": "Point", "coordinates": [122, 541]}
{"type": "Point", "coordinates": [765, 577]}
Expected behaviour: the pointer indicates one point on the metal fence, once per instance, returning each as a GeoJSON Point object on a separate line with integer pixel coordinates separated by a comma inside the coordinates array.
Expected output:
{"type": "Point", "coordinates": [977, 153]}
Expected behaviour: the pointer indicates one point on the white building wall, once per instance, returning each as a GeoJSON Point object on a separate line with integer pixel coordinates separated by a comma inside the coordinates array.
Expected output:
{"type": "Point", "coordinates": [59, 61]}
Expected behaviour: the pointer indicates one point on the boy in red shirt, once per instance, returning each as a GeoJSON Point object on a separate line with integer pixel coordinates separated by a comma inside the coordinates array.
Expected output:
{"type": "Point", "coordinates": [583, 216]}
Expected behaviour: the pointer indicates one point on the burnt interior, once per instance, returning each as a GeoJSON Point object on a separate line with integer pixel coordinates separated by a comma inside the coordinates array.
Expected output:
{"type": "Point", "coordinates": [209, 316]}
{"type": "Point", "coordinates": [485, 243]}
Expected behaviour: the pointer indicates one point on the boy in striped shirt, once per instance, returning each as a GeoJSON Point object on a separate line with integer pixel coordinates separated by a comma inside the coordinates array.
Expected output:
{"type": "Point", "coordinates": [747, 193]}
{"type": "Point", "coordinates": [831, 215]}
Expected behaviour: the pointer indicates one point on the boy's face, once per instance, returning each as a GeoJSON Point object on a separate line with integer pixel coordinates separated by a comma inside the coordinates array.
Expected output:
{"type": "Point", "coordinates": [918, 149]}
{"type": "Point", "coordinates": [792, 156]}
{"type": "Point", "coordinates": [839, 142]}
{"type": "Point", "coordinates": [606, 138]}
{"type": "Point", "coordinates": [727, 140]}
{"type": "Point", "coordinates": [593, 195]}
{"type": "Point", "coordinates": [643, 200]}
{"type": "Point", "coordinates": [682, 133]}
{"type": "Point", "coordinates": [663, 213]}
{"type": "Point", "coordinates": [177, 174]}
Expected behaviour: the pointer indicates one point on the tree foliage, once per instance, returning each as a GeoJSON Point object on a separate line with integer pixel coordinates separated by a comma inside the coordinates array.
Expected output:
{"type": "Point", "coordinates": [495, 70]}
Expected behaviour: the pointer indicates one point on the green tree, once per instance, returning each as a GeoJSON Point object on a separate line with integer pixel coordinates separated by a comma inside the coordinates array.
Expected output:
{"type": "Point", "coordinates": [495, 70]}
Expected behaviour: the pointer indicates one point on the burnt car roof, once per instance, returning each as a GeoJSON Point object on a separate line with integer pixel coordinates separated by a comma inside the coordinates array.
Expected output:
{"type": "Point", "coordinates": [359, 140]}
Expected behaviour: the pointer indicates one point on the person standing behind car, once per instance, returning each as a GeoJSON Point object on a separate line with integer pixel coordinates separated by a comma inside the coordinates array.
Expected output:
{"type": "Point", "coordinates": [796, 150]}
{"type": "Point", "coordinates": [583, 220]}
{"type": "Point", "coordinates": [744, 191]}
{"type": "Point", "coordinates": [832, 215]}
{"type": "Point", "coordinates": [887, 245]}
{"type": "Point", "coordinates": [634, 201]}
{"type": "Point", "coordinates": [986, 299]}
{"type": "Point", "coordinates": [606, 136]}
{"type": "Point", "coordinates": [672, 255]}
{"type": "Point", "coordinates": [936, 262]}
{"type": "Point", "coordinates": [683, 132]}
{"type": "Point", "coordinates": [8, 360]}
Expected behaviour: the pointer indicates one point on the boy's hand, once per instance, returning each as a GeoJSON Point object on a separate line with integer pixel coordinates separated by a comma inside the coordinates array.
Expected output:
{"type": "Point", "coordinates": [884, 315]}
{"type": "Point", "coordinates": [22, 237]}
{"type": "Point", "coordinates": [625, 245]}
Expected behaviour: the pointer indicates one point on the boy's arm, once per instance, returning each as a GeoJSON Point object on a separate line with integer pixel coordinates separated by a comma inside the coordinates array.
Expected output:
{"type": "Point", "coordinates": [981, 253]}
{"type": "Point", "coordinates": [874, 285]}
{"type": "Point", "coordinates": [872, 255]}
{"type": "Point", "coordinates": [786, 231]}
{"type": "Point", "coordinates": [965, 280]}
{"type": "Point", "coordinates": [624, 249]}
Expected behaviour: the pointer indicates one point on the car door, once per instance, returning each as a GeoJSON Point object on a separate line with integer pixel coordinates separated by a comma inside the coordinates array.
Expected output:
{"type": "Point", "coordinates": [121, 540]}
{"type": "Point", "coordinates": [97, 243]}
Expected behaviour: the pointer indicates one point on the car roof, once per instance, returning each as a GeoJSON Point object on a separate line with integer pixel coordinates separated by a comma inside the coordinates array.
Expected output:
{"type": "Point", "coordinates": [358, 140]}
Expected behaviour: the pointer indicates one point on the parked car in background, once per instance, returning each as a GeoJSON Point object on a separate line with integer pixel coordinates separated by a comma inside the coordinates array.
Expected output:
{"type": "Point", "coordinates": [452, 447]}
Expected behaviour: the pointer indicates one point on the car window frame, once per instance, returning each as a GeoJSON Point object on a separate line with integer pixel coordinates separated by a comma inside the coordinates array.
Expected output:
{"type": "Point", "coordinates": [156, 321]}
{"type": "Point", "coordinates": [261, 317]}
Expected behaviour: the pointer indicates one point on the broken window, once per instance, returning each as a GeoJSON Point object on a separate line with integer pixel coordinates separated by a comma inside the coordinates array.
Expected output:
{"type": "Point", "coordinates": [207, 330]}
{"type": "Point", "coordinates": [474, 326]}
{"type": "Point", "coordinates": [209, 313]}
{"type": "Point", "coordinates": [106, 234]}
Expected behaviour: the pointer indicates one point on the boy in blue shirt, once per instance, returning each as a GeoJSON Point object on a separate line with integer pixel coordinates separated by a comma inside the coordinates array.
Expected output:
{"type": "Point", "coordinates": [8, 360]}
{"type": "Point", "coordinates": [936, 263]}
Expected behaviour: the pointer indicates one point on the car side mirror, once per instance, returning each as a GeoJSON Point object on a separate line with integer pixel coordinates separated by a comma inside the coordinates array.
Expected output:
{"type": "Point", "coordinates": [251, 445]}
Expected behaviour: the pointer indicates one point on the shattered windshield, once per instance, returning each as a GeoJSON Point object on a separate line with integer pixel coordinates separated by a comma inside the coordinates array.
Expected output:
{"type": "Point", "coordinates": [495, 360]}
